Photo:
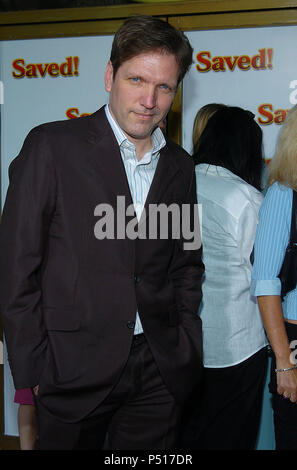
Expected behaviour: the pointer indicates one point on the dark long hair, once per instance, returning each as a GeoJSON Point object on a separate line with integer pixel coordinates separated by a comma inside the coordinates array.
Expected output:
{"type": "Point", "coordinates": [232, 139]}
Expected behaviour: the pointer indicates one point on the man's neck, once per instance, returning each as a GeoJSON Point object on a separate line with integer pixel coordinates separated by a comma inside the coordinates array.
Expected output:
{"type": "Point", "coordinates": [141, 147]}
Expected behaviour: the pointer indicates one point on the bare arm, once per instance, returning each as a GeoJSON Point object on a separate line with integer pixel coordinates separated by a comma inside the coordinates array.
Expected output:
{"type": "Point", "coordinates": [272, 316]}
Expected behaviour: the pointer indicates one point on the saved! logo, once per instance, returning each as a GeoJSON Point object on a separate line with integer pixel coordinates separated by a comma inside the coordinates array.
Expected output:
{"type": "Point", "coordinates": [260, 61]}
{"type": "Point", "coordinates": [68, 68]}
{"type": "Point", "coordinates": [269, 115]}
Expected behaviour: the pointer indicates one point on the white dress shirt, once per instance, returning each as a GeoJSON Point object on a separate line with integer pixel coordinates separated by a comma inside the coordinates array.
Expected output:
{"type": "Point", "coordinates": [139, 173]}
{"type": "Point", "coordinates": [231, 322]}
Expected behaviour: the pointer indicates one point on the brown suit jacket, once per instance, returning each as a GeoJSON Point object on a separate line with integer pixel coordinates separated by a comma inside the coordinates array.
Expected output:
{"type": "Point", "coordinates": [69, 300]}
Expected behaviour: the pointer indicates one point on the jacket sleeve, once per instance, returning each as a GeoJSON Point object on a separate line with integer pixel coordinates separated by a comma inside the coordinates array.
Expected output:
{"type": "Point", "coordinates": [27, 213]}
{"type": "Point", "coordinates": [187, 268]}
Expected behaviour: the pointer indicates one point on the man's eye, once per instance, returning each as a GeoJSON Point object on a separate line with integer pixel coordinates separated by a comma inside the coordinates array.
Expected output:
{"type": "Point", "coordinates": [165, 88]}
{"type": "Point", "coordinates": [135, 79]}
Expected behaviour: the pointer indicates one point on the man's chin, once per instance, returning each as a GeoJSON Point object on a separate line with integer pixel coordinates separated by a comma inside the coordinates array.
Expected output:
{"type": "Point", "coordinates": [141, 134]}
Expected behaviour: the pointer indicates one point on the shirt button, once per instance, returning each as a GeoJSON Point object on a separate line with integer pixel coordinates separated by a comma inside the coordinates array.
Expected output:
{"type": "Point", "coordinates": [131, 325]}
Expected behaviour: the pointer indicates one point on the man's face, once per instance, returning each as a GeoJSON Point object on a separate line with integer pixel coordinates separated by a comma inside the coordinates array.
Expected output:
{"type": "Point", "coordinates": [142, 92]}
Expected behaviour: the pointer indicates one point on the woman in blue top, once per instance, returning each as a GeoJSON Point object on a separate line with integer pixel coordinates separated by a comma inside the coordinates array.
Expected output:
{"type": "Point", "coordinates": [279, 317]}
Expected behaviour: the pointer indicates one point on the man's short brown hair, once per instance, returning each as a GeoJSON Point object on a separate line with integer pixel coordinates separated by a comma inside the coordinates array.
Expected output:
{"type": "Point", "coordinates": [142, 34]}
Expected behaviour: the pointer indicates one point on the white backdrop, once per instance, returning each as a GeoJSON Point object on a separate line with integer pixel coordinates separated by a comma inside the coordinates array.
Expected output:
{"type": "Point", "coordinates": [264, 90]}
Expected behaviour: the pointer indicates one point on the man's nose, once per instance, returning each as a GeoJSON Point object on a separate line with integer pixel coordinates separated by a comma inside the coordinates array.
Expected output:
{"type": "Point", "coordinates": [149, 97]}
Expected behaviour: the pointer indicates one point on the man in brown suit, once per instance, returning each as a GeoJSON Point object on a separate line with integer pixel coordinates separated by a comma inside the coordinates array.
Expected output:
{"type": "Point", "coordinates": [104, 326]}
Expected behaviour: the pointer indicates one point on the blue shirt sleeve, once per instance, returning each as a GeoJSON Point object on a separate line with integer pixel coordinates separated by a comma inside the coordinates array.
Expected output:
{"type": "Point", "coordinates": [272, 237]}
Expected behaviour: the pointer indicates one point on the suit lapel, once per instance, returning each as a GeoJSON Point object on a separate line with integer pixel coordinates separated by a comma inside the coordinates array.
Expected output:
{"type": "Point", "coordinates": [105, 158]}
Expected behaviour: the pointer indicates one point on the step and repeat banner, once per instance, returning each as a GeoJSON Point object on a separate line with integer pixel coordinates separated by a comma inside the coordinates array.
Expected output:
{"type": "Point", "coordinates": [254, 68]}
{"type": "Point", "coordinates": [53, 79]}
{"type": "Point", "coordinates": [47, 80]}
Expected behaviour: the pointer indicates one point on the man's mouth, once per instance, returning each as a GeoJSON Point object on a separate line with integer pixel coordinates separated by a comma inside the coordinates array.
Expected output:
{"type": "Point", "coordinates": [144, 116]}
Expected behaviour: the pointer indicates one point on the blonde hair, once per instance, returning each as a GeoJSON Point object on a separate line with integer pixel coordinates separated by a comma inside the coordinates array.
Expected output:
{"type": "Point", "coordinates": [283, 166]}
{"type": "Point", "coordinates": [201, 119]}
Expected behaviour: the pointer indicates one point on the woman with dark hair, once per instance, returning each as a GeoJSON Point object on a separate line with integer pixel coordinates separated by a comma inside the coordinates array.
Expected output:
{"type": "Point", "coordinates": [228, 159]}
{"type": "Point", "coordinates": [201, 119]}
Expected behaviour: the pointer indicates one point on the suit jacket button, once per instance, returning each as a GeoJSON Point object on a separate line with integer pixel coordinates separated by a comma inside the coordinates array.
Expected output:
{"type": "Point", "coordinates": [136, 279]}
{"type": "Point", "coordinates": [131, 325]}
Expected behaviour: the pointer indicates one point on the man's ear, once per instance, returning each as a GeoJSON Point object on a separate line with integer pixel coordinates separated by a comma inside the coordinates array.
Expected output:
{"type": "Point", "coordinates": [108, 78]}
